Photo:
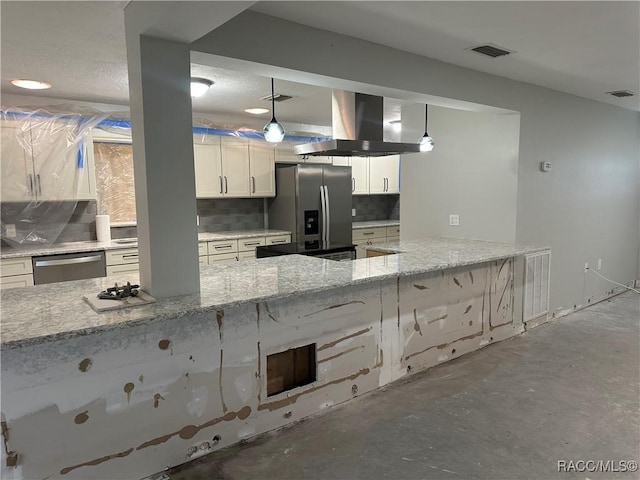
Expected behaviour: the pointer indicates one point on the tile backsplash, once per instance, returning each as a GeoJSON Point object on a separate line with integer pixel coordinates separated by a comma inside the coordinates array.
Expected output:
{"type": "Point", "coordinates": [49, 222]}
{"type": "Point", "coordinates": [376, 207]}
{"type": "Point", "coordinates": [230, 214]}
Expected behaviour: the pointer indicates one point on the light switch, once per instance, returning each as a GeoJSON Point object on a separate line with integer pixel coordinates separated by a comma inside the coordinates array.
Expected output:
{"type": "Point", "coordinates": [454, 220]}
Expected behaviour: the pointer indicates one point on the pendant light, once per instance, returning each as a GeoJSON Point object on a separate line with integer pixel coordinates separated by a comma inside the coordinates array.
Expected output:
{"type": "Point", "coordinates": [273, 131]}
{"type": "Point", "coordinates": [426, 142]}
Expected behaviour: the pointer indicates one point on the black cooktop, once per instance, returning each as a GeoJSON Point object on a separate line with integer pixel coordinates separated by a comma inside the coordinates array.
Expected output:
{"type": "Point", "coordinates": [308, 248]}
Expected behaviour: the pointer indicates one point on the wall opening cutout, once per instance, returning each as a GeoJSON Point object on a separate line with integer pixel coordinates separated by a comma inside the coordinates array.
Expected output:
{"type": "Point", "coordinates": [290, 369]}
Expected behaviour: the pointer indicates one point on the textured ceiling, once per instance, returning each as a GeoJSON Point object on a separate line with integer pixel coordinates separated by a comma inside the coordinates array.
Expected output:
{"type": "Point", "coordinates": [584, 48]}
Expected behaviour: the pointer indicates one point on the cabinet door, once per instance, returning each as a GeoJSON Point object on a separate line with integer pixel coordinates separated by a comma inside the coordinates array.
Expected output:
{"type": "Point", "coordinates": [17, 177]}
{"type": "Point", "coordinates": [360, 175]}
{"type": "Point", "coordinates": [391, 166]}
{"type": "Point", "coordinates": [208, 169]}
{"type": "Point", "coordinates": [55, 162]}
{"type": "Point", "coordinates": [235, 168]}
{"type": "Point", "coordinates": [263, 170]}
{"type": "Point", "coordinates": [285, 154]}
{"type": "Point", "coordinates": [377, 175]}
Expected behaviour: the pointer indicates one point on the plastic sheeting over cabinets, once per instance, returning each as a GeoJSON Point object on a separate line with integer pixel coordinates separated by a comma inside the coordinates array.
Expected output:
{"type": "Point", "coordinates": [43, 170]}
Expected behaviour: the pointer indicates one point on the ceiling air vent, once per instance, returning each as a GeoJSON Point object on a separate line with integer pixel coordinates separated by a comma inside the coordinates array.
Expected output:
{"type": "Point", "coordinates": [278, 97]}
{"type": "Point", "coordinates": [622, 93]}
{"type": "Point", "coordinates": [492, 51]}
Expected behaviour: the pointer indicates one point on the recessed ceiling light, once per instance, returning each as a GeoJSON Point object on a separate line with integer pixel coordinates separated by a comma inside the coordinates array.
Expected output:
{"type": "Point", "coordinates": [256, 111]}
{"type": "Point", "coordinates": [199, 86]}
{"type": "Point", "coordinates": [31, 84]}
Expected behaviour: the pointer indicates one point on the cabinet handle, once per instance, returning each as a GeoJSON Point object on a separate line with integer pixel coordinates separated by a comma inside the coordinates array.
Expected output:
{"type": "Point", "coordinates": [368, 233]}
{"type": "Point", "coordinates": [251, 244]}
{"type": "Point", "coordinates": [30, 177]}
{"type": "Point", "coordinates": [353, 181]}
{"type": "Point", "coordinates": [131, 255]}
{"type": "Point", "coordinates": [273, 242]}
{"type": "Point", "coordinates": [226, 185]}
{"type": "Point", "coordinates": [220, 247]}
{"type": "Point", "coordinates": [39, 184]}
{"type": "Point", "coordinates": [220, 184]}
{"type": "Point", "coordinates": [253, 183]}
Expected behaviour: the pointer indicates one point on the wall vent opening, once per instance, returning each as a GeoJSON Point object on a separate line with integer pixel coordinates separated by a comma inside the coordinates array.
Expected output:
{"type": "Point", "coordinates": [490, 50]}
{"type": "Point", "coordinates": [290, 369]}
{"type": "Point", "coordinates": [622, 93]}
{"type": "Point", "coordinates": [278, 97]}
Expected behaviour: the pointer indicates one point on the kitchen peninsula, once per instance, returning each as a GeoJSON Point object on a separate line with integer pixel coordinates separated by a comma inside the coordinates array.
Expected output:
{"type": "Point", "coordinates": [133, 391]}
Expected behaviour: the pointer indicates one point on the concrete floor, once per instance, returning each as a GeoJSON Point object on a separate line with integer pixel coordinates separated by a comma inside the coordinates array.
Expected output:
{"type": "Point", "coordinates": [568, 390]}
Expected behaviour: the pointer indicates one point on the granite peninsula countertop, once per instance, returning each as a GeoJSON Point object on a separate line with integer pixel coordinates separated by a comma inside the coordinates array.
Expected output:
{"type": "Point", "coordinates": [40, 314]}
{"type": "Point", "coordinates": [92, 246]}
{"type": "Point", "coordinates": [375, 224]}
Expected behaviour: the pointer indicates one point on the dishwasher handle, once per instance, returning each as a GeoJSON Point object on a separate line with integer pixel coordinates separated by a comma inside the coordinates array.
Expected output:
{"type": "Point", "coordinates": [68, 261]}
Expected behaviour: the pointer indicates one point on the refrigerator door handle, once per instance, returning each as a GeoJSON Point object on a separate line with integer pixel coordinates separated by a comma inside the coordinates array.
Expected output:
{"type": "Point", "coordinates": [324, 213]}
{"type": "Point", "coordinates": [326, 201]}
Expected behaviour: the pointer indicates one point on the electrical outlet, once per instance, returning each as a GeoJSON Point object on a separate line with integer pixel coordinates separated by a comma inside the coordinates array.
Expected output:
{"type": "Point", "coordinates": [586, 267]}
{"type": "Point", "coordinates": [454, 220]}
{"type": "Point", "coordinates": [599, 264]}
{"type": "Point", "coordinates": [353, 212]}
{"type": "Point", "coordinates": [10, 230]}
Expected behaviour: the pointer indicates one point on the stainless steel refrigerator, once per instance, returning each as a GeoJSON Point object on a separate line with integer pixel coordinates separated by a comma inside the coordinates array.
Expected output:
{"type": "Point", "coordinates": [313, 202]}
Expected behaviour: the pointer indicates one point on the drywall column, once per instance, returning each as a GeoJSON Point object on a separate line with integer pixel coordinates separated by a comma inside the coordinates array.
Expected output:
{"type": "Point", "coordinates": [159, 84]}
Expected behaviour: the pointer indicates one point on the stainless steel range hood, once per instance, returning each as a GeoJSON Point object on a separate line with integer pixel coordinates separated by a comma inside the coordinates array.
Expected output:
{"type": "Point", "coordinates": [357, 130]}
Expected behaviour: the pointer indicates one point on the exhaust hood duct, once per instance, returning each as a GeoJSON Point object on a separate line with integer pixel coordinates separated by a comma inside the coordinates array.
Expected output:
{"type": "Point", "coordinates": [357, 130]}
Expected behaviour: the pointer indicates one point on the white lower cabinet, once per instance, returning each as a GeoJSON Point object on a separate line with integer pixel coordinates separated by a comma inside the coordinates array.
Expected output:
{"type": "Point", "coordinates": [246, 255]}
{"type": "Point", "coordinates": [250, 244]}
{"type": "Point", "coordinates": [278, 239]}
{"type": "Point", "coordinates": [16, 272]}
{"type": "Point", "coordinates": [122, 261]}
{"type": "Point", "coordinates": [373, 236]}
{"type": "Point", "coordinates": [223, 258]}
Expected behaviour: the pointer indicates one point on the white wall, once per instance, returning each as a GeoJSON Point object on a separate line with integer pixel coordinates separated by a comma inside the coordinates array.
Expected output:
{"type": "Point", "coordinates": [586, 208]}
{"type": "Point", "coordinates": [472, 172]}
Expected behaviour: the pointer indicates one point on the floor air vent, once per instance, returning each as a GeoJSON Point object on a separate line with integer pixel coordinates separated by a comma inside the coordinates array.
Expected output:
{"type": "Point", "coordinates": [536, 285]}
{"type": "Point", "coordinates": [622, 93]}
{"type": "Point", "coordinates": [491, 50]}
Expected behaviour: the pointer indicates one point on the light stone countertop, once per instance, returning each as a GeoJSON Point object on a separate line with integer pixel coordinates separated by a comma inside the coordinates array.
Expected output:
{"type": "Point", "coordinates": [374, 224]}
{"type": "Point", "coordinates": [92, 246]}
{"type": "Point", "coordinates": [45, 313]}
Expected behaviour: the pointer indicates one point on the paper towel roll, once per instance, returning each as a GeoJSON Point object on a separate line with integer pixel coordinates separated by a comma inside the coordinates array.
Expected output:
{"type": "Point", "coordinates": [103, 228]}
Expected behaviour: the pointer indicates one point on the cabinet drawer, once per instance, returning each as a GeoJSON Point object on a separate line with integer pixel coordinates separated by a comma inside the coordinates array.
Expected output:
{"type": "Point", "coordinates": [16, 281]}
{"type": "Point", "coordinates": [393, 231]}
{"type": "Point", "coordinates": [15, 266]}
{"type": "Point", "coordinates": [246, 255]}
{"type": "Point", "coordinates": [122, 257]}
{"type": "Point", "coordinates": [393, 239]}
{"type": "Point", "coordinates": [250, 244]}
{"type": "Point", "coordinates": [365, 234]}
{"type": "Point", "coordinates": [278, 239]}
{"type": "Point", "coordinates": [127, 268]}
{"type": "Point", "coordinates": [202, 248]}
{"type": "Point", "coordinates": [203, 259]}
{"type": "Point", "coordinates": [222, 258]}
{"type": "Point", "coordinates": [222, 246]}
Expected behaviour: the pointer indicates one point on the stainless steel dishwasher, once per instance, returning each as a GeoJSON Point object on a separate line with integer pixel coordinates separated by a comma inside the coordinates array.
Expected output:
{"type": "Point", "coordinates": [68, 266]}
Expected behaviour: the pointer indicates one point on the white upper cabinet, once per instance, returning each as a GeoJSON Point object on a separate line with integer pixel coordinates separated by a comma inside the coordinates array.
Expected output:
{"type": "Point", "coordinates": [43, 164]}
{"type": "Point", "coordinates": [262, 169]}
{"type": "Point", "coordinates": [227, 167]}
{"type": "Point", "coordinates": [208, 169]}
{"type": "Point", "coordinates": [360, 175]}
{"type": "Point", "coordinates": [285, 154]}
{"type": "Point", "coordinates": [17, 166]}
{"type": "Point", "coordinates": [235, 167]}
{"type": "Point", "coordinates": [384, 174]}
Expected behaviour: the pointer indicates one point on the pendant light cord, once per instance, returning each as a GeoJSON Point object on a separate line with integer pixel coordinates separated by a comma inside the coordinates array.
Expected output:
{"type": "Point", "coordinates": [273, 102]}
{"type": "Point", "coordinates": [426, 118]}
